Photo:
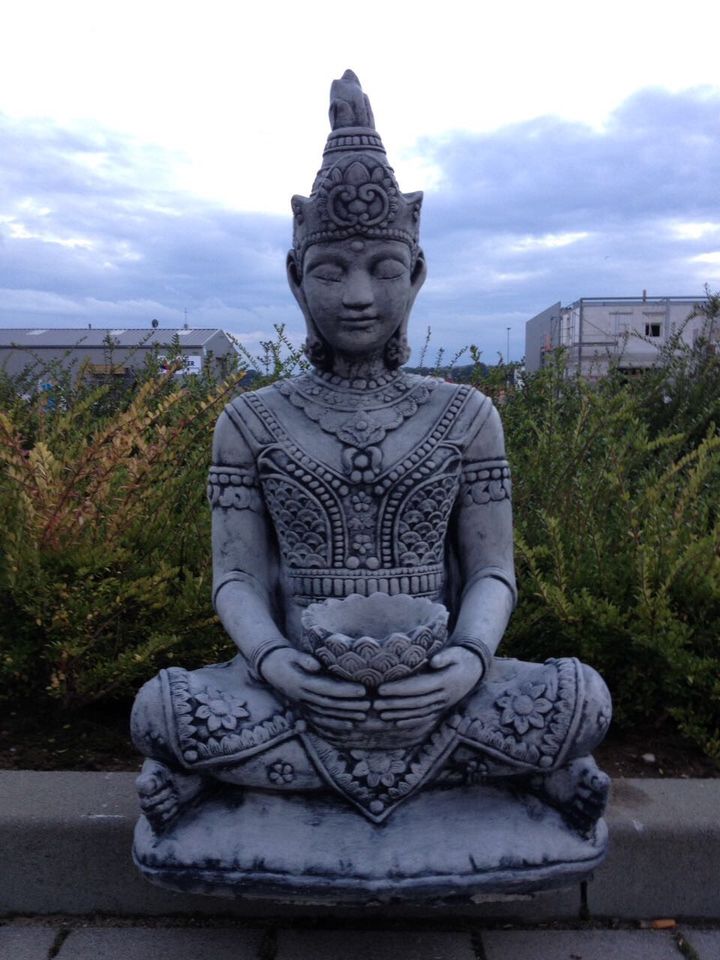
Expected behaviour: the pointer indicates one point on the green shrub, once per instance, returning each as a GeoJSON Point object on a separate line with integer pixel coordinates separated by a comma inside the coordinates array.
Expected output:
{"type": "Point", "coordinates": [105, 562]}
{"type": "Point", "coordinates": [105, 565]}
{"type": "Point", "coordinates": [617, 528]}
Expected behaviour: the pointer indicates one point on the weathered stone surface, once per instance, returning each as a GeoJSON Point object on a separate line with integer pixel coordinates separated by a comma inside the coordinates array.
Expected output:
{"type": "Point", "coordinates": [450, 843]}
{"type": "Point", "coordinates": [706, 943]}
{"type": "Point", "coordinates": [576, 944]}
{"type": "Point", "coordinates": [379, 944]}
{"type": "Point", "coordinates": [180, 943]}
{"type": "Point", "coordinates": [26, 943]}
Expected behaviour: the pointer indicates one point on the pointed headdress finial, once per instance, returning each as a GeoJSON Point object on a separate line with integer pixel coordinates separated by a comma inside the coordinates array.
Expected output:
{"type": "Point", "coordinates": [355, 191]}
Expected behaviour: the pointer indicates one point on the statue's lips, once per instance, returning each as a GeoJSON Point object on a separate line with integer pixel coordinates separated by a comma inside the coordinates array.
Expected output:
{"type": "Point", "coordinates": [359, 322]}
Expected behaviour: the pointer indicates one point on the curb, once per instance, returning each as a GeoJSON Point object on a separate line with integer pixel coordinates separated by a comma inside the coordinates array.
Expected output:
{"type": "Point", "coordinates": [66, 839]}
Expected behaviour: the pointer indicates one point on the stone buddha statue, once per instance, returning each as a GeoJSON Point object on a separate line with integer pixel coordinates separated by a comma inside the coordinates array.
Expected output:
{"type": "Point", "coordinates": [363, 567]}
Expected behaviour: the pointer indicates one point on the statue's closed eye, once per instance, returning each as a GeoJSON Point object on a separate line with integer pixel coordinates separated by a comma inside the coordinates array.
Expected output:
{"type": "Point", "coordinates": [327, 274]}
{"type": "Point", "coordinates": [389, 269]}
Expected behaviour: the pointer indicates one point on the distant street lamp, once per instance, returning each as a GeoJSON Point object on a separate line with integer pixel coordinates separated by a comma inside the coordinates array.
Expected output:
{"type": "Point", "coordinates": [507, 352]}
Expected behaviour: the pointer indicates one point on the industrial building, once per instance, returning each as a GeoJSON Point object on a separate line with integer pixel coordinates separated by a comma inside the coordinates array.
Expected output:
{"type": "Point", "coordinates": [117, 351]}
{"type": "Point", "coordinates": [599, 332]}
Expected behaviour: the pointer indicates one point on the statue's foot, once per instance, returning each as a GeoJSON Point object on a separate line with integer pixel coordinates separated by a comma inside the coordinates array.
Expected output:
{"type": "Point", "coordinates": [164, 793]}
{"type": "Point", "coordinates": [579, 790]}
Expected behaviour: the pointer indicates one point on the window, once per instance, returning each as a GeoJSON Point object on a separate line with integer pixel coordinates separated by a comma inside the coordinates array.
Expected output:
{"type": "Point", "coordinates": [652, 329]}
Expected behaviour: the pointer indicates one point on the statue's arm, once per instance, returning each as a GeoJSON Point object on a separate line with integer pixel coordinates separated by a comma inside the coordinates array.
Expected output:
{"type": "Point", "coordinates": [485, 542]}
{"type": "Point", "coordinates": [244, 560]}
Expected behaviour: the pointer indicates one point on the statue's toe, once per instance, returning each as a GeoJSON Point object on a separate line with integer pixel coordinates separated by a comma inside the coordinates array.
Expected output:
{"type": "Point", "coordinates": [163, 792]}
{"type": "Point", "coordinates": [592, 787]}
{"type": "Point", "coordinates": [157, 793]}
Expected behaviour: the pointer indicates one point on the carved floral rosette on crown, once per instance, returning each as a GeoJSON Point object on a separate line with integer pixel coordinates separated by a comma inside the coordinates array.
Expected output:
{"type": "Point", "coordinates": [355, 191]}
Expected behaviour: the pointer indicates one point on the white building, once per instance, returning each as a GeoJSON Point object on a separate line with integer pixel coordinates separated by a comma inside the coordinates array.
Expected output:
{"type": "Point", "coordinates": [110, 351]}
{"type": "Point", "coordinates": [597, 332]}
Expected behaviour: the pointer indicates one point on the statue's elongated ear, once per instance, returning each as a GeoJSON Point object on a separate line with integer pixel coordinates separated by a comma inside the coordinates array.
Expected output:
{"type": "Point", "coordinates": [294, 275]}
{"type": "Point", "coordinates": [316, 349]}
{"type": "Point", "coordinates": [418, 275]}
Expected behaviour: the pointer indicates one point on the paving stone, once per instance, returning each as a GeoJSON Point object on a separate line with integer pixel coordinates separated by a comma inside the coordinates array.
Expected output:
{"type": "Point", "coordinates": [706, 943]}
{"type": "Point", "coordinates": [25, 943]}
{"type": "Point", "coordinates": [153, 943]}
{"type": "Point", "coordinates": [580, 945]}
{"type": "Point", "coordinates": [349, 944]}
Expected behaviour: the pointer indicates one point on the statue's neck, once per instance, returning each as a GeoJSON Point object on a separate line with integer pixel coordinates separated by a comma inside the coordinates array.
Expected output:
{"type": "Point", "coordinates": [359, 368]}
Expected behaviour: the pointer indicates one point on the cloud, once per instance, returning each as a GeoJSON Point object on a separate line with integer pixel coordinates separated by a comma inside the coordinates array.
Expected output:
{"type": "Point", "coordinates": [655, 154]}
{"type": "Point", "coordinates": [554, 210]}
{"type": "Point", "coordinates": [92, 230]}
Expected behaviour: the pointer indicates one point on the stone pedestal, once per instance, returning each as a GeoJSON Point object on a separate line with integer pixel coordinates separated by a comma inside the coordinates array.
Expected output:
{"type": "Point", "coordinates": [466, 842]}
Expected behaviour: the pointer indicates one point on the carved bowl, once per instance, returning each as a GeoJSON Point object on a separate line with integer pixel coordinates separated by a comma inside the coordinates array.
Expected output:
{"type": "Point", "coordinates": [376, 639]}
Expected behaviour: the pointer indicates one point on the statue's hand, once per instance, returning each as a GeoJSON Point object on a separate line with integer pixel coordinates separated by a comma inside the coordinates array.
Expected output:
{"type": "Point", "coordinates": [453, 673]}
{"type": "Point", "coordinates": [333, 704]}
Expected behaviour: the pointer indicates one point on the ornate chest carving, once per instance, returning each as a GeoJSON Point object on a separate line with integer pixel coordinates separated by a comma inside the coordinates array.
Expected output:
{"type": "Point", "coordinates": [339, 533]}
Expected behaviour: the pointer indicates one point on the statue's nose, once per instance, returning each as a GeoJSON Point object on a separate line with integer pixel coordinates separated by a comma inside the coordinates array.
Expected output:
{"type": "Point", "coordinates": [357, 290]}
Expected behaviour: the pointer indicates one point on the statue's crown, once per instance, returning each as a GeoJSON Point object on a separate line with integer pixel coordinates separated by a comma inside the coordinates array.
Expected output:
{"type": "Point", "coordinates": [355, 191]}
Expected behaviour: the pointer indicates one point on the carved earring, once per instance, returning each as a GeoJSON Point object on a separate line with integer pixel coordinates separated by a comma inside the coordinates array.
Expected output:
{"type": "Point", "coordinates": [397, 351]}
{"type": "Point", "coordinates": [318, 353]}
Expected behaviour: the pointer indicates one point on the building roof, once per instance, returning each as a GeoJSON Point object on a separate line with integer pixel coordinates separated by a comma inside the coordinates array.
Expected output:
{"type": "Point", "coordinates": [638, 300]}
{"type": "Point", "coordinates": [33, 338]}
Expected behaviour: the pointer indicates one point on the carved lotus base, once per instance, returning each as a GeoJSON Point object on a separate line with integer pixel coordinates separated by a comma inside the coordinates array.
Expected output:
{"type": "Point", "coordinates": [465, 842]}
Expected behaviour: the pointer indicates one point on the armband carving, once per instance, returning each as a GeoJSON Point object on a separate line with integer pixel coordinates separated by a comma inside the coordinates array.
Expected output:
{"type": "Point", "coordinates": [486, 481]}
{"type": "Point", "coordinates": [234, 488]}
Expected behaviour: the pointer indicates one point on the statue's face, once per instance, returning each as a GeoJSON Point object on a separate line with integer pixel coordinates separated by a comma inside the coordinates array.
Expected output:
{"type": "Point", "coordinates": [358, 292]}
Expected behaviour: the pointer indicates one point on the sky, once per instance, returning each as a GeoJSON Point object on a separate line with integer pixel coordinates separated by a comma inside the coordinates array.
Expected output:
{"type": "Point", "coordinates": [148, 152]}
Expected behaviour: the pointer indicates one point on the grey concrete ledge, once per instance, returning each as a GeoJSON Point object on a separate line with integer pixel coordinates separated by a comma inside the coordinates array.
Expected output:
{"type": "Point", "coordinates": [65, 841]}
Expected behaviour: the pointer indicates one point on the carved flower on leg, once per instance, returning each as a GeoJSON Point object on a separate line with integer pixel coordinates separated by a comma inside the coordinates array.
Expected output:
{"type": "Point", "coordinates": [281, 772]}
{"type": "Point", "coordinates": [475, 772]}
{"type": "Point", "coordinates": [525, 709]}
{"type": "Point", "coordinates": [378, 767]}
{"type": "Point", "coordinates": [603, 719]}
{"type": "Point", "coordinates": [219, 711]}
